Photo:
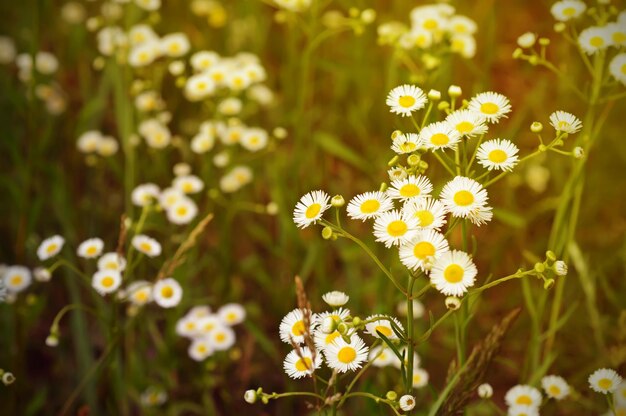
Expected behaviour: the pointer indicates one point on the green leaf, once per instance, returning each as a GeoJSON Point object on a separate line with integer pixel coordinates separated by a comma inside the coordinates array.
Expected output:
{"type": "Point", "coordinates": [333, 145]}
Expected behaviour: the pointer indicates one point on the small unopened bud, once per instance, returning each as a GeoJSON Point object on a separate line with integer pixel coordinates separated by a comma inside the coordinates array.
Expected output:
{"type": "Point", "coordinates": [548, 283]}
{"type": "Point", "coordinates": [356, 321]}
{"type": "Point", "coordinates": [413, 160]}
{"type": "Point", "coordinates": [434, 95]}
{"type": "Point", "coordinates": [280, 133]}
{"type": "Point", "coordinates": [533, 60]}
{"type": "Point", "coordinates": [560, 268]}
{"type": "Point", "coordinates": [550, 255]}
{"type": "Point", "coordinates": [271, 208]}
{"type": "Point", "coordinates": [342, 328]}
{"type": "Point", "coordinates": [544, 41]}
{"type": "Point", "coordinates": [368, 16]}
{"type": "Point", "coordinates": [527, 40]}
{"type": "Point", "coordinates": [182, 169]}
{"type": "Point", "coordinates": [578, 152]}
{"type": "Point", "coordinates": [407, 402]}
{"type": "Point", "coordinates": [423, 165]}
{"type": "Point", "coordinates": [393, 161]}
{"type": "Point", "coordinates": [536, 127]}
{"type": "Point", "coordinates": [176, 68]}
{"type": "Point", "coordinates": [329, 325]}
{"type": "Point", "coordinates": [443, 105]}
{"type": "Point", "coordinates": [327, 233]}
{"type": "Point", "coordinates": [42, 274]}
{"type": "Point", "coordinates": [453, 303]}
{"type": "Point", "coordinates": [395, 134]}
{"type": "Point", "coordinates": [391, 395]}
{"type": "Point", "coordinates": [485, 391]}
{"type": "Point", "coordinates": [517, 53]}
{"type": "Point", "coordinates": [52, 340]}
{"type": "Point", "coordinates": [8, 378]}
{"type": "Point", "coordinates": [542, 148]}
{"type": "Point", "coordinates": [559, 27]}
{"type": "Point", "coordinates": [540, 267]}
{"type": "Point", "coordinates": [250, 396]}
{"type": "Point", "coordinates": [337, 201]}
{"type": "Point", "coordinates": [455, 91]}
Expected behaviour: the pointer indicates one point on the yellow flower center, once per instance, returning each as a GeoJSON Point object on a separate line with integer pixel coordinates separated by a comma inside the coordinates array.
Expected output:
{"type": "Point", "coordinates": [52, 248]}
{"type": "Point", "coordinates": [181, 210]}
{"type": "Point", "coordinates": [397, 228]}
{"type": "Point", "coordinates": [596, 42]}
{"type": "Point", "coordinates": [370, 206]}
{"type": "Point", "coordinates": [623, 69]}
{"type": "Point", "coordinates": [167, 292]}
{"type": "Point", "coordinates": [190, 326]}
{"type": "Point", "coordinates": [425, 218]}
{"type": "Point", "coordinates": [346, 355]}
{"type": "Point", "coordinates": [231, 316]}
{"type": "Point", "coordinates": [304, 364]}
{"type": "Point", "coordinates": [421, 41]}
{"type": "Point", "coordinates": [569, 11]}
{"type": "Point", "coordinates": [416, 378]}
{"type": "Point", "coordinates": [143, 56]}
{"type": "Point", "coordinates": [463, 198]}
{"type": "Point", "coordinates": [111, 265]}
{"type": "Point", "coordinates": [408, 146]}
{"type": "Point", "coordinates": [313, 210]}
{"type": "Point", "coordinates": [187, 187]}
{"type": "Point", "coordinates": [108, 281]}
{"type": "Point", "coordinates": [563, 125]}
{"type": "Point", "coordinates": [16, 280]}
{"type": "Point", "coordinates": [385, 330]}
{"type": "Point", "coordinates": [298, 328]}
{"type": "Point", "coordinates": [208, 327]}
{"type": "Point", "coordinates": [145, 246]}
{"type": "Point", "coordinates": [524, 399]}
{"type": "Point", "coordinates": [330, 338]}
{"type": "Point", "coordinates": [91, 250]}
{"type": "Point", "coordinates": [605, 383]}
{"type": "Point", "coordinates": [619, 37]}
{"type": "Point", "coordinates": [220, 337]}
{"type": "Point", "coordinates": [554, 390]}
{"type": "Point", "coordinates": [410, 190]}
{"type": "Point", "coordinates": [141, 296]}
{"type": "Point", "coordinates": [489, 108]}
{"type": "Point", "coordinates": [202, 348]}
{"type": "Point", "coordinates": [406, 101]}
{"type": "Point", "coordinates": [174, 47]}
{"type": "Point", "coordinates": [464, 127]}
{"type": "Point", "coordinates": [497, 156]}
{"type": "Point", "coordinates": [439, 139]}
{"type": "Point", "coordinates": [254, 140]}
{"type": "Point", "coordinates": [201, 86]}
{"type": "Point", "coordinates": [218, 76]}
{"type": "Point", "coordinates": [453, 273]}
{"type": "Point", "coordinates": [423, 249]}
{"type": "Point", "coordinates": [430, 24]}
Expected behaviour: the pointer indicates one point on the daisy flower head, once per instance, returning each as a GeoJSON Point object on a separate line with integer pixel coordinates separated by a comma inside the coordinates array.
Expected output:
{"type": "Point", "coordinates": [406, 99]}
{"type": "Point", "coordinates": [498, 154]}
{"type": "Point", "coordinates": [368, 205]}
{"type": "Point", "coordinates": [301, 363]}
{"type": "Point", "coordinates": [310, 208]}
{"type": "Point", "coordinates": [481, 215]}
{"type": "Point", "coordinates": [405, 143]}
{"type": "Point", "coordinates": [199, 86]}
{"type": "Point", "coordinates": [112, 261]}
{"type": "Point", "coordinates": [188, 184]}
{"type": "Point", "coordinates": [230, 106]}
{"type": "Point", "coordinates": [439, 135]}
{"type": "Point", "coordinates": [604, 380]}
{"type": "Point", "coordinates": [462, 196]}
{"type": "Point", "coordinates": [343, 356]}
{"type": "Point", "coordinates": [335, 298]}
{"type": "Point", "coordinates": [565, 122]}
{"type": "Point", "coordinates": [16, 279]}
{"type": "Point", "coordinates": [555, 387]}
{"type": "Point", "coordinates": [430, 213]}
{"type": "Point", "coordinates": [175, 45]}
{"type": "Point", "coordinates": [467, 123]}
{"type": "Point", "coordinates": [188, 327]}
{"type": "Point", "coordinates": [232, 314]}
{"type": "Point", "coordinates": [222, 337]}
{"type": "Point", "coordinates": [292, 327]}
{"type": "Point", "coordinates": [321, 339]}
{"type": "Point", "coordinates": [617, 32]}
{"type": "Point", "coordinates": [254, 139]}
{"type": "Point", "coordinates": [407, 402]}
{"type": "Point", "coordinates": [420, 378]}
{"type": "Point", "coordinates": [90, 248]}
{"type": "Point", "coordinates": [106, 281]}
{"type": "Point", "coordinates": [146, 245]}
{"type": "Point", "coordinates": [410, 188]}
{"type": "Point", "coordinates": [453, 273]}
{"type": "Point", "coordinates": [617, 67]}
{"type": "Point", "coordinates": [462, 25]}
{"type": "Point", "coordinates": [464, 45]}
{"type": "Point", "coordinates": [145, 194]}
{"type": "Point", "coordinates": [182, 211]}
{"type": "Point", "coordinates": [566, 10]}
{"type": "Point", "coordinates": [206, 324]}
{"type": "Point", "coordinates": [200, 349]}
{"type": "Point", "coordinates": [167, 293]}
{"type": "Point", "coordinates": [523, 395]}
{"type": "Point", "coordinates": [620, 394]}
{"type": "Point", "coordinates": [594, 39]}
{"type": "Point", "coordinates": [139, 292]}
{"type": "Point", "coordinates": [149, 5]}
{"type": "Point", "coordinates": [41, 274]}
{"type": "Point", "coordinates": [199, 312]}
{"type": "Point", "coordinates": [394, 228]}
{"type": "Point", "coordinates": [169, 197]}
{"type": "Point", "coordinates": [382, 325]}
{"type": "Point", "coordinates": [50, 247]}
{"type": "Point", "coordinates": [490, 105]}
{"type": "Point", "coordinates": [203, 60]}
{"type": "Point", "coordinates": [423, 250]}
{"type": "Point", "coordinates": [397, 172]}
{"type": "Point", "coordinates": [380, 356]}
{"type": "Point", "coordinates": [523, 410]}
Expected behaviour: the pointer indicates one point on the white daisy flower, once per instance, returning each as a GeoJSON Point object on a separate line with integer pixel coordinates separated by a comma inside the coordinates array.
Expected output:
{"type": "Point", "coordinates": [481, 215]}
{"type": "Point", "coordinates": [206, 324]}
{"type": "Point", "coordinates": [7, 50]}
{"type": "Point", "coordinates": [423, 250]}
{"type": "Point", "coordinates": [157, 136]}
{"type": "Point", "coordinates": [200, 349]}
{"type": "Point", "coordinates": [604, 380]}
{"type": "Point", "coordinates": [217, 73]}
{"type": "Point", "coordinates": [16, 279]}
{"type": "Point", "coordinates": [335, 298]}
{"type": "Point", "coordinates": [464, 45]}
{"type": "Point", "coordinates": [90, 248]}
{"type": "Point", "coordinates": [565, 122]}
{"type": "Point", "coordinates": [50, 247]}
{"type": "Point", "coordinates": [620, 394]}
{"type": "Point", "coordinates": [417, 37]}
{"type": "Point", "coordinates": [490, 105]}
{"type": "Point", "coordinates": [175, 45]}
{"type": "Point", "coordinates": [453, 273]}
{"type": "Point", "coordinates": [299, 365]}
{"type": "Point", "coordinates": [182, 212]}
{"type": "Point", "coordinates": [167, 293]}
{"type": "Point", "coordinates": [594, 39]}
{"type": "Point", "coordinates": [467, 123]}
{"type": "Point", "coordinates": [498, 154]}
{"type": "Point", "coordinates": [199, 87]}
{"type": "Point", "coordinates": [153, 396]}
{"type": "Point", "coordinates": [344, 357]}
{"type": "Point", "coordinates": [338, 315]}
{"type": "Point", "coordinates": [222, 337]}
{"type": "Point", "coordinates": [106, 281]}
{"type": "Point", "coordinates": [405, 143]}
{"type": "Point", "coordinates": [148, 101]}
{"type": "Point", "coordinates": [230, 106]}
{"type": "Point", "coordinates": [203, 60]}
{"type": "Point", "coordinates": [149, 5]}
{"type": "Point", "coordinates": [617, 32]}
{"type": "Point", "coordinates": [368, 205]}
{"type": "Point", "coordinates": [566, 10]}
{"type": "Point", "coordinates": [410, 188]}
{"type": "Point", "coordinates": [237, 80]}
{"type": "Point", "coordinates": [380, 356]}
{"type": "Point", "coordinates": [462, 25]}
{"type": "Point", "coordinates": [383, 326]}
{"type": "Point", "coordinates": [199, 312]}
{"type": "Point", "coordinates": [143, 54]}
{"type": "Point", "coordinates": [169, 197]}
{"type": "Point", "coordinates": [88, 141]}
{"type": "Point", "coordinates": [146, 245]}
{"type": "Point", "coordinates": [310, 208]}
{"type": "Point", "coordinates": [522, 410]}
{"type": "Point", "coordinates": [617, 68]}
{"type": "Point", "coordinates": [394, 228]}
{"type": "Point", "coordinates": [139, 292]}
{"type": "Point", "coordinates": [406, 99]}
{"type": "Point", "coordinates": [232, 314]}
{"type": "Point", "coordinates": [431, 20]}
{"type": "Point", "coordinates": [397, 173]}
{"type": "Point", "coordinates": [523, 395]}
{"type": "Point", "coordinates": [145, 194]}
{"type": "Point", "coordinates": [429, 212]}
{"type": "Point", "coordinates": [202, 142]}
{"type": "Point", "coordinates": [407, 403]}
{"type": "Point", "coordinates": [555, 387]}
{"type": "Point", "coordinates": [420, 378]}
{"type": "Point", "coordinates": [141, 33]}
{"type": "Point", "coordinates": [254, 139]}
{"type": "Point", "coordinates": [41, 274]}
{"type": "Point", "coordinates": [439, 135]}
{"type": "Point", "coordinates": [112, 261]}
{"type": "Point", "coordinates": [188, 184]}
{"type": "Point", "coordinates": [187, 327]}
{"type": "Point", "coordinates": [322, 339]}
{"type": "Point", "coordinates": [462, 196]}
{"type": "Point", "coordinates": [292, 327]}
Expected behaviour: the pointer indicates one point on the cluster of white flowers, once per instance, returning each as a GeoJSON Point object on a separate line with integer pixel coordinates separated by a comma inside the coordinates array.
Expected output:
{"type": "Point", "coordinates": [432, 26]}
{"type": "Point", "coordinates": [94, 142]}
{"type": "Point", "coordinates": [210, 332]}
{"type": "Point", "coordinates": [525, 400]}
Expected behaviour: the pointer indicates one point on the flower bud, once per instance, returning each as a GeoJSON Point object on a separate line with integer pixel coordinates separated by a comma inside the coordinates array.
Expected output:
{"type": "Point", "coordinates": [8, 378]}
{"type": "Point", "coordinates": [271, 208]}
{"type": "Point", "coordinates": [517, 53]}
{"type": "Point", "coordinates": [337, 201]}
{"type": "Point", "coordinates": [395, 134]}
{"type": "Point", "coordinates": [533, 60]}
{"type": "Point", "coordinates": [485, 391]}
{"type": "Point", "coordinates": [250, 396]}
{"type": "Point", "coordinates": [368, 16]}
{"type": "Point", "coordinates": [407, 402]}
{"type": "Point", "coordinates": [550, 255]}
{"type": "Point", "coordinates": [536, 127]}
{"type": "Point", "coordinates": [52, 340]}
{"type": "Point", "coordinates": [434, 95]}
{"type": "Point", "coordinates": [559, 27]}
{"type": "Point", "coordinates": [548, 283]}
{"type": "Point", "coordinates": [391, 395]}
{"type": "Point", "coordinates": [443, 105]}
{"type": "Point", "coordinates": [453, 303]}
{"type": "Point", "coordinates": [328, 325]}
{"type": "Point", "coordinates": [413, 160]}
{"type": "Point", "coordinates": [527, 40]}
{"type": "Point", "coordinates": [540, 267]}
{"type": "Point", "coordinates": [454, 91]}
{"type": "Point", "coordinates": [560, 268]}
{"type": "Point", "coordinates": [578, 152]}
{"type": "Point", "coordinates": [42, 274]}
{"type": "Point", "coordinates": [327, 233]}
{"type": "Point", "coordinates": [342, 328]}
{"type": "Point", "coordinates": [544, 41]}
{"type": "Point", "coordinates": [393, 161]}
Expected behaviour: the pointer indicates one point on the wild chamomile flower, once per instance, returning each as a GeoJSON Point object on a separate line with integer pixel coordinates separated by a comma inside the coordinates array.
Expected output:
{"type": "Point", "coordinates": [143, 54]}
{"type": "Point", "coordinates": [406, 99]}
{"type": "Point", "coordinates": [90, 248]}
{"type": "Point", "coordinates": [149, 5]}
{"type": "Point", "coordinates": [200, 349]}
{"type": "Point", "coordinates": [397, 173]}
{"type": "Point", "coordinates": [146, 245]}
{"type": "Point", "coordinates": [617, 32]}
{"type": "Point", "coordinates": [16, 279]}
{"type": "Point", "coordinates": [199, 87]}
{"type": "Point", "coordinates": [310, 208]}
{"type": "Point", "coordinates": [423, 250]}
{"type": "Point", "coordinates": [467, 123]}
{"type": "Point", "coordinates": [199, 312]}
{"type": "Point", "coordinates": [145, 194]}
{"type": "Point", "coordinates": [462, 25]}
{"type": "Point", "coordinates": [106, 281]}
{"type": "Point", "coordinates": [153, 396]}
{"type": "Point", "coordinates": [394, 228]}
{"type": "Point", "coordinates": [555, 387]}
{"type": "Point", "coordinates": [565, 122]}
{"type": "Point", "coordinates": [566, 10]}
{"type": "Point", "coordinates": [50, 247]}
{"type": "Point", "coordinates": [405, 143]}
{"type": "Point", "coordinates": [335, 298]}
{"type": "Point", "coordinates": [292, 327]}
{"type": "Point", "coordinates": [453, 273]}
{"type": "Point", "coordinates": [222, 337]}
{"type": "Point", "coordinates": [188, 184]}
{"type": "Point", "coordinates": [490, 105]}
{"type": "Point", "coordinates": [382, 325]}
{"type": "Point", "coordinates": [409, 188]}
{"type": "Point", "coordinates": [206, 324]}
{"type": "Point", "coordinates": [156, 134]}
{"type": "Point", "coordinates": [188, 327]}
{"type": "Point", "coordinates": [169, 197]}
{"type": "Point", "coordinates": [498, 154]}
{"type": "Point", "coordinates": [139, 292]}
{"type": "Point", "coordinates": [203, 60]}
{"type": "Point", "coordinates": [620, 394]}
{"type": "Point", "coordinates": [523, 395]}
{"type": "Point", "coordinates": [420, 378]}
{"type": "Point", "coordinates": [344, 357]}
{"type": "Point", "coordinates": [429, 212]}
{"type": "Point", "coordinates": [300, 365]}
{"type": "Point", "coordinates": [594, 39]}
{"type": "Point", "coordinates": [604, 380]}
{"type": "Point", "coordinates": [41, 274]}
{"type": "Point", "coordinates": [322, 339]}
{"type": "Point", "coordinates": [461, 196]}
{"type": "Point", "coordinates": [381, 356]}
{"type": "Point", "coordinates": [230, 106]}
{"type": "Point", "coordinates": [464, 45]}
{"type": "Point", "coordinates": [523, 410]}
{"type": "Point", "coordinates": [439, 135]}
{"type": "Point", "coordinates": [254, 139]}
{"type": "Point", "coordinates": [182, 211]}
{"type": "Point", "coordinates": [175, 45]}
{"type": "Point", "coordinates": [232, 314]}
{"type": "Point", "coordinates": [368, 205]}
{"type": "Point", "coordinates": [167, 293]}
{"type": "Point", "coordinates": [617, 67]}
{"type": "Point", "coordinates": [112, 261]}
